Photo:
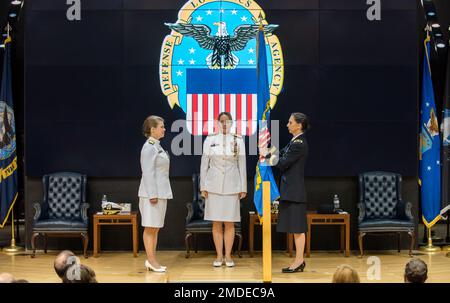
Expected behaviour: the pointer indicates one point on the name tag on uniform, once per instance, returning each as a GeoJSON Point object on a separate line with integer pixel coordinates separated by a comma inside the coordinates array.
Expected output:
{"type": "Point", "coordinates": [214, 144]}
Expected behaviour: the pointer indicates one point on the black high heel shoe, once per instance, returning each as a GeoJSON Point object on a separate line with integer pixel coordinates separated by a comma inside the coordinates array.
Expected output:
{"type": "Point", "coordinates": [299, 268]}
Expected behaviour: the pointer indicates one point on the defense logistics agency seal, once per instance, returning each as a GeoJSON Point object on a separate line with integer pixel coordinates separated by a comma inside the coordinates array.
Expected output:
{"type": "Point", "coordinates": [208, 63]}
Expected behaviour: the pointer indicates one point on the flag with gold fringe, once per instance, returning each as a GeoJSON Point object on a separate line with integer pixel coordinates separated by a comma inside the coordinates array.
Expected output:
{"type": "Point", "coordinates": [8, 158]}
{"type": "Point", "coordinates": [430, 145]}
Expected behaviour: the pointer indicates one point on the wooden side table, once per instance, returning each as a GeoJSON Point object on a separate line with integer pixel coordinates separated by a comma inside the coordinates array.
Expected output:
{"type": "Point", "coordinates": [254, 220]}
{"type": "Point", "coordinates": [343, 220]}
{"type": "Point", "coordinates": [116, 220]}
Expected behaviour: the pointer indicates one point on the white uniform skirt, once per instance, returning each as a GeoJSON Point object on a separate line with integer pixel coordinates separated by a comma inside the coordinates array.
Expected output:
{"type": "Point", "coordinates": [152, 214]}
{"type": "Point", "coordinates": [224, 208]}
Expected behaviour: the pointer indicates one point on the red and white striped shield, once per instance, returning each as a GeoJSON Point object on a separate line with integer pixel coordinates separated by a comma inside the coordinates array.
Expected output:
{"type": "Point", "coordinates": [203, 110]}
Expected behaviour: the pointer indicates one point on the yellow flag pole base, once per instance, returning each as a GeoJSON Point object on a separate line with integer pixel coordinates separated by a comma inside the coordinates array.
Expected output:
{"type": "Point", "coordinates": [446, 248]}
{"type": "Point", "coordinates": [429, 248]}
{"type": "Point", "coordinates": [13, 248]}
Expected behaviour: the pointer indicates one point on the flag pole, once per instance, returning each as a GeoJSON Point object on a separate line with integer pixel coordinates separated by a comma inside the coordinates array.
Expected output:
{"type": "Point", "coordinates": [429, 248]}
{"type": "Point", "coordinates": [8, 28]}
{"type": "Point", "coordinates": [13, 248]}
{"type": "Point", "coordinates": [267, 236]}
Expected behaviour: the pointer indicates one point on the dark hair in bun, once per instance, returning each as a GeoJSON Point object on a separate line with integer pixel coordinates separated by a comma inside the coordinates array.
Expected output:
{"type": "Point", "coordinates": [302, 119]}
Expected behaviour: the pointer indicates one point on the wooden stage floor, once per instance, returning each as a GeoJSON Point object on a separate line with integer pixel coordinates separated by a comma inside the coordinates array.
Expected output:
{"type": "Point", "coordinates": [122, 267]}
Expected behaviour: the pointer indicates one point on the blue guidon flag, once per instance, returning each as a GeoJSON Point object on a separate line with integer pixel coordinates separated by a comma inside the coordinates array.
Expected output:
{"type": "Point", "coordinates": [8, 159]}
{"type": "Point", "coordinates": [208, 64]}
{"type": "Point", "coordinates": [263, 169]}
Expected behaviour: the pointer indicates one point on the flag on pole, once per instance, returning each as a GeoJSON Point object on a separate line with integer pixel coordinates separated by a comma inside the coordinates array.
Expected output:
{"type": "Point", "coordinates": [8, 158]}
{"type": "Point", "coordinates": [263, 170]}
{"type": "Point", "coordinates": [445, 130]}
{"type": "Point", "coordinates": [429, 153]}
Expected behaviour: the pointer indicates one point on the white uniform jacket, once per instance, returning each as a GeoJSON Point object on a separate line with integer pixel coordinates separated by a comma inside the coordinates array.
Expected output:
{"type": "Point", "coordinates": [223, 167]}
{"type": "Point", "coordinates": [155, 164]}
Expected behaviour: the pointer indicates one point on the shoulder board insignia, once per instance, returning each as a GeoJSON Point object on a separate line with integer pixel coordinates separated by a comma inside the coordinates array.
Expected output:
{"type": "Point", "coordinates": [151, 142]}
{"type": "Point", "coordinates": [237, 136]}
{"type": "Point", "coordinates": [298, 141]}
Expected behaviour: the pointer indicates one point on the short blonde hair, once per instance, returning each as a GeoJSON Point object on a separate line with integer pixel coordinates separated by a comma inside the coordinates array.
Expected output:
{"type": "Point", "coordinates": [345, 274]}
{"type": "Point", "coordinates": [151, 121]}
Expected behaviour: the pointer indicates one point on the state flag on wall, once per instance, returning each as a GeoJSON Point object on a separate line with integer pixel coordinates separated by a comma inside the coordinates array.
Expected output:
{"type": "Point", "coordinates": [8, 158]}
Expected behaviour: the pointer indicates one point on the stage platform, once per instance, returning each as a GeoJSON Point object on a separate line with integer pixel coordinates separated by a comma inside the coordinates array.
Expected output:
{"type": "Point", "coordinates": [121, 267]}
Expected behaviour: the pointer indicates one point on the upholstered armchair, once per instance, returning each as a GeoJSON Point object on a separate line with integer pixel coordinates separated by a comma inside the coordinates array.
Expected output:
{"type": "Point", "coordinates": [381, 208]}
{"type": "Point", "coordinates": [195, 224]}
{"type": "Point", "coordinates": [63, 212]}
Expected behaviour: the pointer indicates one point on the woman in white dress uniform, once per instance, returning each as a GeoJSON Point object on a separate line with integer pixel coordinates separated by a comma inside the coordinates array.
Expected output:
{"type": "Point", "coordinates": [154, 189]}
{"type": "Point", "coordinates": [223, 182]}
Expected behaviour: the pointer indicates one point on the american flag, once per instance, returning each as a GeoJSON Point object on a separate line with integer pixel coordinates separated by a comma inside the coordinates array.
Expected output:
{"type": "Point", "coordinates": [234, 92]}
{"type": "Point", "coordinates": [263, 137]}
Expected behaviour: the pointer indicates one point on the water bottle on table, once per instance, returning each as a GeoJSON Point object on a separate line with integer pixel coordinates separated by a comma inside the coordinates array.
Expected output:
{"type": "Point", "coordinates": [336, 204]}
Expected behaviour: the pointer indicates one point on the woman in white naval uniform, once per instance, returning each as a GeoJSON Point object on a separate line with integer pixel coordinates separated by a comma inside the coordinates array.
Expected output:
{"type": "Point", "coordinates": [154, 189]}
{"type": "Point", "coordinates": [223, 182]}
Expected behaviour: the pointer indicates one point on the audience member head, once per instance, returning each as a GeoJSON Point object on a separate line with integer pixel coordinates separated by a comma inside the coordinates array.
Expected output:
{"type": "Point", "coordinates": [416, 271]}
{"type": "Point", "coordinates": [6, 278]}
{"type": "Point", "coordinates": [79, 273]}
{"type": "Point", "coordinates": [61, 263]}
{"type": "Point", "coordinates": [345, 274]}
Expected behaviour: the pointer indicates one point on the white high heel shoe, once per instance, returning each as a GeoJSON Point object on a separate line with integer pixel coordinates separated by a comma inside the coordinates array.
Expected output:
{"type": "Point", "coordinates": [229, 263]}
{"type": "Point", "coordinates": [150, 267]}
{"type": "Point", "coordinates": [217, 263]}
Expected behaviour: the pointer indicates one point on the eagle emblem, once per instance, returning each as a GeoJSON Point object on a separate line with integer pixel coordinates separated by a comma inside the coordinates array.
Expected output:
{"type": "Point", "coordinates": [222, 44]}
{"type": "Point", "coordinates": [208, 64]}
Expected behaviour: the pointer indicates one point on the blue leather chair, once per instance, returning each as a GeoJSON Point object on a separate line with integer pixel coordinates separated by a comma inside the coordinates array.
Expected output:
{"type": "Point", "coordinates": [381, 208]}
{"type": "Point", "coordinates": [195, 224]}
{"type": "Point", "coordinates": [63, 212]}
